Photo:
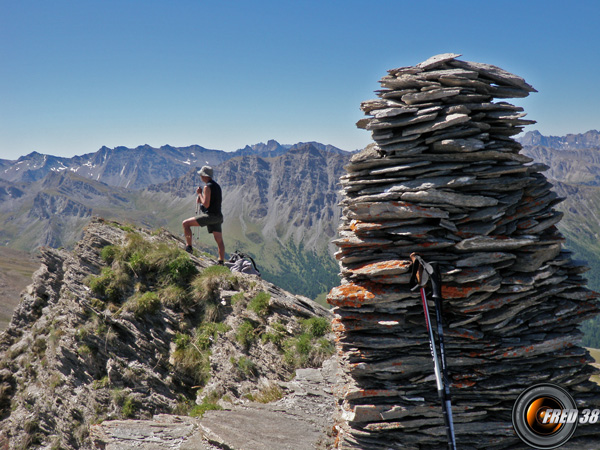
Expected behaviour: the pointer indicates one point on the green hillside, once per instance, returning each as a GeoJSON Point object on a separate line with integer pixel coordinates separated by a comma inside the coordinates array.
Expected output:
{"type": "Point", "coordinates": [581, 228]}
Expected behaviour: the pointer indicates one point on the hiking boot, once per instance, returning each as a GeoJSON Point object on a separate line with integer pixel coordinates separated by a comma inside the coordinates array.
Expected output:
{"type": "Point", "coordinates": [220, 262]}
{"type": "Point", "coordinates": [189, 249]}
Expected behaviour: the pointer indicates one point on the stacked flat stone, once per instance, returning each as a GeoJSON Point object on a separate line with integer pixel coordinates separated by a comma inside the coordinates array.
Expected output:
{"type": "Point", "coordinates": [445, 178]}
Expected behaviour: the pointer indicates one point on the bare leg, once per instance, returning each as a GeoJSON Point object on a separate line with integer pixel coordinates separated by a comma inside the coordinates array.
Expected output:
{"type": "Point", "coordinates": [220, 244]}
{"type": "Point", "coordinates": [187, 230]}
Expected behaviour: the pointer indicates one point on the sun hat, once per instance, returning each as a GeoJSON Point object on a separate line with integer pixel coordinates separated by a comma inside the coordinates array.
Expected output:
{"type": "Point", "coordinates": [206, 171]}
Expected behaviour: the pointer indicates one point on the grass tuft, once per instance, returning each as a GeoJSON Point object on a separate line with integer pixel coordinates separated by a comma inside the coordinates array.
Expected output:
{"type": "Point", "coordinates": [142, 304]}
{"type": "Point", "coordinates": [207, 284]}
{"type": "Point", "coordinates": [209, 403]}
{"type": "Point", "coordinates": [276, 333]}
{"type": "Point", "coordinates": [269, 393]}
{"type": "Point", "coordinates": [192, 352]}
{"type": "Point", "coordinates": [129, 407]}
{"type": "Point", "coordinates": [245, 366]}
{"type": "Point", "coordinates": [316, 326]}
{"type": "Point", "coordinates": [174, 296]}
{"type": "Point", "coordinates": [110, 284]}
{"type": "Point", "coordinates": [260, 304]}
{"type": "Point", "coordinates": [246, 334]}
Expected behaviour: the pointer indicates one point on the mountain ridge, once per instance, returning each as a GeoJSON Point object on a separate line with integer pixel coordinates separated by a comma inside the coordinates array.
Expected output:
{"type": "Point", "coordinates": [574, 169]}
{"type": "Point", "coordinates": [263, 214]}
{"type": "Point", "coordinates": [134, 168]}
{"type": "Point", "coordinates": [107, 331]}
{"type": "Point", "coordinates": [589, 139]}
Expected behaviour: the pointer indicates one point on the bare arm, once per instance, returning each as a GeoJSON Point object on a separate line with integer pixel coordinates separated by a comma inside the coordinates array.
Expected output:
{"type": "Point", "coordinates": [204, 196]}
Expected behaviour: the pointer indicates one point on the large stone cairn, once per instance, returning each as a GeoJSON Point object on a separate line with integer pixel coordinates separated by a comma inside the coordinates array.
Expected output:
{"type": "Point", "coordinates": [444, 178]}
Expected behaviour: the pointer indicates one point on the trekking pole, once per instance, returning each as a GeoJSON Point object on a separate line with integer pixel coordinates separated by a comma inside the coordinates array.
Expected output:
{"type": "Point", "coordinates": [197, 213]}
{"type": "Point", "coordinates": [195, 180]}
{"type": "Point", "coordinates": [436, 295]}
{"type": "Point", "coordinates": [421, 274]}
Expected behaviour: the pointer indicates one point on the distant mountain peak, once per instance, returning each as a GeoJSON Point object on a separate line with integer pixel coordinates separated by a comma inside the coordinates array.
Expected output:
{"type": "Point", "coordinates": [306, 147]}
{"type": "Point", "coordinates": [589, 139]}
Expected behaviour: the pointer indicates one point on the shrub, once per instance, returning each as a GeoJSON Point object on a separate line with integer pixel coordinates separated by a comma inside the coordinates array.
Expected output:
{"type": "Point", "coordinates": [182, 340]}
{"type": "Point", "coordinates": [138, 263]}
{"type": "Point", "coordinates": [102, 383]}
{"type": "Point", "coordinates": [236, 298]}
{"type": "Point", "coordinates": [306, 351]}
{"type": "Point", "coordinates": [128, 228]}
{"type": "Point", "coordinates": [323, 350]}
{"type": "Point", "coordinates": [183, 407]}
{"type": "Point", "coordinates": [171, 264]}
{"type": "Point", "coordinates": [260, 303]}
{"type": "Point", "coordinates": [134, 242]}
{"type": "Point", "coordinates": [84, 350]}
{"type": "Point", "coordinates": [180, 269]}
{"type": "Point", "coordinates": [303, 344]}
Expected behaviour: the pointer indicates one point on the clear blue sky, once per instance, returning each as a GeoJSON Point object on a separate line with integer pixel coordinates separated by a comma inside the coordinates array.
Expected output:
{"type": "Point", "coordinates": [77, 75]}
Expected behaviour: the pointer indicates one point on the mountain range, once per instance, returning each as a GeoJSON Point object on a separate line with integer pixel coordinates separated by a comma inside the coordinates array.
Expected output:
{"type": "Point", "coordinates": [280, 201]}
{"type": "Point", "coordinates": [137, 168]}
{"type": "Point", "coordinates": [574, 170]}
{"type": "Point", "coordinates": [587, 140]}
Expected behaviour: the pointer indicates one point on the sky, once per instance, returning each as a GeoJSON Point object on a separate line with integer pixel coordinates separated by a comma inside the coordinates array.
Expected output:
{"type": "Point", "coordinates": [81, 74]}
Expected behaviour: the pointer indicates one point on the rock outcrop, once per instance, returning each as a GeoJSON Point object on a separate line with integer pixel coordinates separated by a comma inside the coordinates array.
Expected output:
{"type": "Point", "coordinates": [102, 334]}
{"type": "Point", "coordinates": [301, 420]}
{"type": "Point", "coordinates": [445, 178]}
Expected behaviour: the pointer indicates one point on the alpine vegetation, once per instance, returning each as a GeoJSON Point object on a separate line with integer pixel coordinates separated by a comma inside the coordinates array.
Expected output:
{"type": "Point", "coordinates": [130, 326]}
{"type": "Point", "coordinates": [445, 178]}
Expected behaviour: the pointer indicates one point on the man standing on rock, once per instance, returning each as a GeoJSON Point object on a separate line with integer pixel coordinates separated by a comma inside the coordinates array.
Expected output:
{"type": "Point", "coordinates": [211, 216]}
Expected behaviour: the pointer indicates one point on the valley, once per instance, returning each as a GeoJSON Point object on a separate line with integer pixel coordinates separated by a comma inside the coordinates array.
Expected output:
{"type": "Point", "coordinates": [280, 201]}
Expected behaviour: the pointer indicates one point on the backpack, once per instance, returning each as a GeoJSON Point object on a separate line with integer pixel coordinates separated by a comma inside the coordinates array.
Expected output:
{"type": "Point", "coordinates": [238, 262]}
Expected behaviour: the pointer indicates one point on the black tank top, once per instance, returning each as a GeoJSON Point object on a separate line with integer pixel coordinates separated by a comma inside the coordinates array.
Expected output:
{"type": "Point", "coordinates": [215, 198]}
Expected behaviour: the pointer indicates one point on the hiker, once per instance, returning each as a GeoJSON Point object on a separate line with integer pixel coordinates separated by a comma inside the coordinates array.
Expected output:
{"type": "Point", "coordinates": [211, 217]}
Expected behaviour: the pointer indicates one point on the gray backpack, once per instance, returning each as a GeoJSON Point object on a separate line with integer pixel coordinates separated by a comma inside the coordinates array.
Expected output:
{"type": "Point", "coordinates": [240, 262]}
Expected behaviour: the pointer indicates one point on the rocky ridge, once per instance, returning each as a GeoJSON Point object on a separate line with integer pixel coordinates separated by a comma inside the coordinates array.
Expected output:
{"type": "Point", "coordinates": [587, 140]}
{"type": "Point", "coordinates": [445, 178]}
{"type": "Point", "coordinates": [76, 354]}
{"type": "Point", "coordinates": [120, 167]}
{"type": "Point", "coordinates": [288, 233]}
{"type": "Point", "coordinates": [301, 420]}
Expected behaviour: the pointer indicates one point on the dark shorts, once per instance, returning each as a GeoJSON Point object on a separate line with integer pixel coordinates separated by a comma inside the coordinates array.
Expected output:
{"type": "Point", "coordinates": [210, 221]}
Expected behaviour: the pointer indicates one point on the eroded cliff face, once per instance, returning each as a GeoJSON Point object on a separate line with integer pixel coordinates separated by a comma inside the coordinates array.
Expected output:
{"type": "Point", "coordinates": [103, 335]}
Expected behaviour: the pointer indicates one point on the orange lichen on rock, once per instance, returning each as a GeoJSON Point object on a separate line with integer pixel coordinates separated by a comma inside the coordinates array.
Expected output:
{"type": "Point", "coordinates": [380, 268]}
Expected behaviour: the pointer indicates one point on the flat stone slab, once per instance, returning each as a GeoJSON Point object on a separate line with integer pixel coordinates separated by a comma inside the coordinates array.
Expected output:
{"type": "Point", "coordinates": [245, 429]}
{"type": "Point", "coordinates": [163, 432]}
{"type": "Point", "coordinates": [253, 428]}
{"type": "Point", "coordinates": [300, 420]}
